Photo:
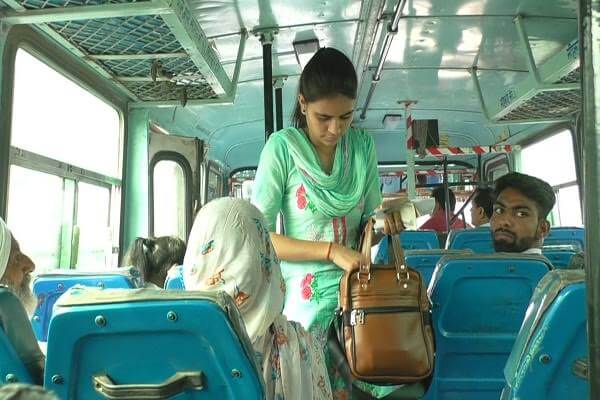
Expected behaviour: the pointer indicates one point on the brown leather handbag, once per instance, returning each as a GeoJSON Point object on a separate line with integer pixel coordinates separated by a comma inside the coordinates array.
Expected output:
{"type": "Point", "coordinates": [385, 325]}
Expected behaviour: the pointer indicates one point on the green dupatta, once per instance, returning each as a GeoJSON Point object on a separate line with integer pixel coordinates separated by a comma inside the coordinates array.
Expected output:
{"type": "Point", "coordinates": [336, 194]}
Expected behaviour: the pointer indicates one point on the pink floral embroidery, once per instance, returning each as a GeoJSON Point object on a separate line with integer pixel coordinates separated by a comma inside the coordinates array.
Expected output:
{"type": "Point", "coordinates": [309, 290]}
{"type": "Point", "coordinates": [301, 198]}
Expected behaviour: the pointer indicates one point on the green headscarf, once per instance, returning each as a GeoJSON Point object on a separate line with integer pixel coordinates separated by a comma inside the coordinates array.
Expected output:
{"type": "Point", "coordinates": [338, 193]}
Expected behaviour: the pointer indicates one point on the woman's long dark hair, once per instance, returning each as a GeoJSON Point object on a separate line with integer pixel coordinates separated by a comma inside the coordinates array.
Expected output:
{"type": "Point", "coordinates": [328, 73]}
{"type": "Point", "coordinates": [154, 256]}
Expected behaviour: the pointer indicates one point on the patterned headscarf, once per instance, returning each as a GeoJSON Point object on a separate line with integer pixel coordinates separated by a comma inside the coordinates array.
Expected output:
{"type": "Point", "coordinates": [5, 245]}
{"type": "Point", "coordinates": [230, 250]}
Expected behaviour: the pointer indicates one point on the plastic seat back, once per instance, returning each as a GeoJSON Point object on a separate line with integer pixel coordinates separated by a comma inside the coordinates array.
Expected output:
{"type": "Point", "coordinates": [194, 338]}
{"type": "Point", "coordinates": [12, 368]}
{"type": "Point", "coordinates": [174, 279]}
{"type": "Point", "coordinates": [411, 240]}
{"type": "Point", "coordinates": [560, 255]}
{"type": "Point", "coordinates": [478, 240]}
{"type": "Point", "coordinates": [566, 236]}
{"type": "Point", "coordinates": [50, 286]}
{"type": "Point", "coordinates": [425, 261]}
{"type": "Point", "coordinates": [479, 303]}
{"type": "Point", "coordinates": [550, 355]}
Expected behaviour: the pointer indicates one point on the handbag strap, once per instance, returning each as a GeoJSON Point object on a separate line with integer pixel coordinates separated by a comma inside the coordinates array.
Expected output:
{"type": "Point", "coordinates": [364, 272]}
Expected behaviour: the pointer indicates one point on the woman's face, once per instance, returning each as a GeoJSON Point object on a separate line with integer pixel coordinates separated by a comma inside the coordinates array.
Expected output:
{"type": "Point", "coordinates": [328, 119]}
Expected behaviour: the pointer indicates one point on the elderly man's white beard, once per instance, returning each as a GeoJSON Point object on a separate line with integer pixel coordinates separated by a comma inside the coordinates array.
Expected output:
{"type": "Point", "coordinates": [23, 292]}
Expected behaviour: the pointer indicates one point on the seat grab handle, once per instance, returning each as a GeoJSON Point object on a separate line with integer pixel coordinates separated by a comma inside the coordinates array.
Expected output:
{"type": "Point", "coordinates": [178, 383]}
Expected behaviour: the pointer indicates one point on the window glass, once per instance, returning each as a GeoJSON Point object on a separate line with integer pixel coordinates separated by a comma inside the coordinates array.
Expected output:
{"type": "Point", "coordinates": [95, 247]}
{"type": "Point", "coordinates": [552, 160]}
{"type": "Point", "coordinates": [213, 185]}
{"type": "Point", "coordinates": [54, 125]}
{"type": "Point", "coordinates": [569, 210]}
{"type": "Point", "coordinates": [169, 199]}
{"type": "Point", "coordinates": [35, 216]}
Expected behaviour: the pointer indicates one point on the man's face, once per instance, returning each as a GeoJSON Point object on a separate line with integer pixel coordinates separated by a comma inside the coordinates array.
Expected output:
{"type": "Point", "coordinates": [478, 216]}
{"type": "Point", "coordinates": [18, 275]}
{"type": "Point", "coordinates": [515, 223]}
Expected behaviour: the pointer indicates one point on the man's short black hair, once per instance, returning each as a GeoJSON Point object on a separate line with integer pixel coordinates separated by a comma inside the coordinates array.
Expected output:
{"type": "Point", "coordinates": [484, 198]}
{"type": "Point", "coordinates": [438, 195]}
{"type": "Point", "coordinates": [537, 190]}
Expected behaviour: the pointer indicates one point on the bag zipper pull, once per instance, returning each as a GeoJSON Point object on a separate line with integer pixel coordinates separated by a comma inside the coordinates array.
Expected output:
{"type": "Point", "coordinates": [357, 317]}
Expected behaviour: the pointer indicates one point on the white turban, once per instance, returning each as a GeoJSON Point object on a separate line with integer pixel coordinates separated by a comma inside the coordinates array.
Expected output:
{"type": "Point", "coordinates": [5, 245]}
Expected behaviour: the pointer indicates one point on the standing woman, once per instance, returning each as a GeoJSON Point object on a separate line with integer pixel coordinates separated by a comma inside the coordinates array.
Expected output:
{"type": "Point", "coordinates": [321, 175]}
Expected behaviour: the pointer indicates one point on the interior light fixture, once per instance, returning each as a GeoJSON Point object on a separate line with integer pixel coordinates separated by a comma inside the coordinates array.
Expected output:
{"type": "Point", "coordinates": [305, 49]}
{"type": "Point", "coordinates": [392, 121]}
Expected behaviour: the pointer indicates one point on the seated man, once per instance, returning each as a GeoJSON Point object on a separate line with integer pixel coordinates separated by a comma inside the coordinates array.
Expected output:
{"type": "Point", "coordinates": [437, 221]}
{"type": "Point", "coordinates": [482, 207]}
{"type": "Point", "coordinates": [522, 205]}
{"type": "Point", "coordinates": [15, 275]}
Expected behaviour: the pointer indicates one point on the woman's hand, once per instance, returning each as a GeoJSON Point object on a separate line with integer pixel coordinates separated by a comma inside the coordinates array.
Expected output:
{"type": "Point", "coordinates": [393, 223]}
{"type": "Point", "coordinates": [345, 258]}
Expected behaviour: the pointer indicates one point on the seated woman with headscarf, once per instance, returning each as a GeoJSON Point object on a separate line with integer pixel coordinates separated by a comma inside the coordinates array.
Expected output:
{"type": "Point", "coordinates": [230, 250]}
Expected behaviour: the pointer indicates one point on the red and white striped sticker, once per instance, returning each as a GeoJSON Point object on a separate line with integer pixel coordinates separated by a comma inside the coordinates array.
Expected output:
{"type": "Point", "coordinates": [458, 151]}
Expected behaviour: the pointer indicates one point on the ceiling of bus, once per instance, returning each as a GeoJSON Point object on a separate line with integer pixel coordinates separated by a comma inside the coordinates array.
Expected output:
{"type": "Point", "coordinates": [437, 42]}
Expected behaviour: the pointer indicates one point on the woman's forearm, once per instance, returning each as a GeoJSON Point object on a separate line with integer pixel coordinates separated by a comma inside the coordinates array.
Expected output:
{"type": "Point", "coordinates": [289, 249]}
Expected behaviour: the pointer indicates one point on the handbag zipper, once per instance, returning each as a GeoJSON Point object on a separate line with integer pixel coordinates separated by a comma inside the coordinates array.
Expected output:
{"type": "Point", "coordinates": [357, 316]}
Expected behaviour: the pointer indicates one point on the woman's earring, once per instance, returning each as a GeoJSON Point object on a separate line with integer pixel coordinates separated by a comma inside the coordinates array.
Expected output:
{"type": "Point", "coordinates": [303, 111]}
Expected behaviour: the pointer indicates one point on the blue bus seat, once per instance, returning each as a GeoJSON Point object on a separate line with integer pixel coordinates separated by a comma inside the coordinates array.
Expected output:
{"type": "Point", "coordinates": [479, 303]}
{"type": "Point", "coordinates": [478, 240]}
{"type": "Point", "coordinates": [12, 368]}
{"type": "Point", "coordinates": [411, 240]}
{"type": "Point", "coordinates": [147, 337]}
{"type": "Point", "coordinates": [425, 261]}
{"type": "Point", "coordinates": [566, 236]}
{"type": "Point", "coordinates": [552, 340]}
{"type": "Point", "coordinates": [48, 287]}
{"type": "Point", "coordinates": [560, 255]}
{"type": "Point", "coordinates": [174, 279]}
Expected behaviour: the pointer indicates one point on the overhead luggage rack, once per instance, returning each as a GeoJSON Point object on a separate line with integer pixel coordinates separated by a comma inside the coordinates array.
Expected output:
{"type": "Point", "coordinates": [154, 50]}
{"type": "Point", "coordinates": [551, 92]}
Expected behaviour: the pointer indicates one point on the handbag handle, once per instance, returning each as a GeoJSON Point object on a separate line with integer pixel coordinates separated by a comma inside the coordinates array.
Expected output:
{"type": "Point", "coordinates": [364, 272]}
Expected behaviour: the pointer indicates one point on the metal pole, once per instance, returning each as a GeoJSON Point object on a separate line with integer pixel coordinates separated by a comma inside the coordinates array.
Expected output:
{"type": "Point", "coordinates": [446, 194]}
{"type": "Point", "coordinates": [410, 153]}
{"type": "Point", "coordinates": [279, 108]}
{"type": "Point", "coordinates": [267, 43]}
{"type": "Point", "coordinates": [589, 14]}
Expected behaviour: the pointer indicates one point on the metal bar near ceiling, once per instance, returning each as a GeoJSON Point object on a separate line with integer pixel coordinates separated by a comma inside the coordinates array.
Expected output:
{"type": "Point", "coordinates": [190, 35]}
{"type": "Point", "coordinates": [389, 37]}
{"type": "Point", "coordinates": [589, 14]}
{"type": "Point", "coordinates": [61, 14]}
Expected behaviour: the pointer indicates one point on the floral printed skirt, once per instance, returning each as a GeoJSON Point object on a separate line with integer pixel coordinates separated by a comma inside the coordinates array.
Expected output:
{"type": "Point", "coordinates": [311, 299]}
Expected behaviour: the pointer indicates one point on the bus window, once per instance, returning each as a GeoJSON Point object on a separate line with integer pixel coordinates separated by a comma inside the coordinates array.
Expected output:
{"type": "Point", "coordinates": [214, 185]}
{"type": "Point", "coordinates": [27, 213]}
{"type": "Point", "coordinates": [93, 209]}
{"type": "Point", "coordinates": [65, 143]}
{"type": "Point", "coordinates": [559, 171]}
{"type": "Point", "coordinates": [169, 199]}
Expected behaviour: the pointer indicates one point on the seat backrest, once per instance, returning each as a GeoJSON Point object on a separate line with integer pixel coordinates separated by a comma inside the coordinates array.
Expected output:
{"type": "Point", "coordinates": [12, 368]}
{"type": "Point", "coordinates": [411, 240]}
{"type": "Point", "coordinates": [425, 261]}
{"type": "Point", "coordinates": [566, 236]}
{"type": "Point", "coordinates": [478, 240]}
{"type": "Point", "coordinates": [48, 287]}
{"type": "Point", "coordinates": [560, 255]}
{"type": "Point", "coordinates": [555, 331]}
{"type": "Point", "coordinates": [174, 279]}
{"type": "Point", "coordinates": [479, 302]}
{"type": "Point", "coordinates": [174, 334]}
